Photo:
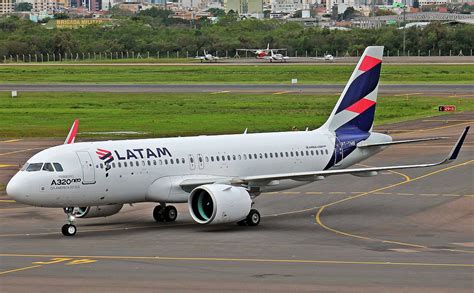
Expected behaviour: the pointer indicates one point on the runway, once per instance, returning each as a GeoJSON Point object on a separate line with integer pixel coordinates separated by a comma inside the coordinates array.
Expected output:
{"type": "Point", "coordinates": [387, 89]}
{"type": "Point", "coordinates": [400, 231]}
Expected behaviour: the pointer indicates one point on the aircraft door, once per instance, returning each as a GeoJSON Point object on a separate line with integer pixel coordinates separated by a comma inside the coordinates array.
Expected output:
{"type": "Point", "coordinates": [88, 171]}
{"type": "Point", "coordinates": [192, 164]}
{"type": "Point", "coordinates": [200, 161]}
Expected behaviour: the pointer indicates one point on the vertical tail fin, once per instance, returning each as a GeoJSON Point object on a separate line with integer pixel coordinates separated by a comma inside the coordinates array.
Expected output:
{"type": "Point", "coordinates": [355, 109]}
{"type": "Point", "coordinates": [71, 137]}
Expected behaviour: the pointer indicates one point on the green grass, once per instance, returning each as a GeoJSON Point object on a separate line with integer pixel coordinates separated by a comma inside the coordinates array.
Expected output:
{"type": "Point", "coordinates": [236, 74]}
{"type": "Point", "coordinates": [2, 187]}
{"type": "Point", "coordinates": [159, 115]}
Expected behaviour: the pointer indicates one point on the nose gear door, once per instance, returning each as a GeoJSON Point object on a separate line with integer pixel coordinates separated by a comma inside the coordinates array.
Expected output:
{"type": "Point", "coordinates": [88, 171]}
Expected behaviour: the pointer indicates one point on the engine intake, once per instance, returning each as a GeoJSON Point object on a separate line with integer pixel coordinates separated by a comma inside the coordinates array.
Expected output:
{"type": "Point", "coordinates": [219, 203]}
{"type": "Point", "coordinates": [97, 211]}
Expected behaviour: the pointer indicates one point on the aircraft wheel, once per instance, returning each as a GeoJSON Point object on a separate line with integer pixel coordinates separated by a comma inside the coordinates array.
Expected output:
{"type": "Point", "coordinates": [69, 230]}
{"type": "Point", "coordinates": [158, 213]}
{"type": "Point", "coordinates": [253, 218]}
{"type": "Point", "coordinates": [170, 214]}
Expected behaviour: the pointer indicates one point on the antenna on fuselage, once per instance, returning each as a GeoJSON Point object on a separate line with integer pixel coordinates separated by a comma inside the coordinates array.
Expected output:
{"type": "Point", "coordinates": [245, 131]}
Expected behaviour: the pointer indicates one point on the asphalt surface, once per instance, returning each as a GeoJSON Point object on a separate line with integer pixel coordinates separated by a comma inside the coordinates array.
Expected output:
{"type": "Point", "coordinates": [392, 89]}
{"type": "Point", "coordinates": [400, 231]}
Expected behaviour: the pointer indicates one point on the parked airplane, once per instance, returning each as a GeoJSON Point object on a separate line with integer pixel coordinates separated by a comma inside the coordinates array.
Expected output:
{"type": "Point", "coordinates": [208, 57]}
{"type": "Point", "coordinates": [276, 57]}
{"type": "Point", "coordinates": [262, 53]}
{"type": "Point", "coordinates": [219, 177]}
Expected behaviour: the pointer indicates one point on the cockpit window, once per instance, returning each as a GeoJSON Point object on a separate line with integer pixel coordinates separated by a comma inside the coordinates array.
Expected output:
{"type": "Point", "coordinates": [34, 167]}
{"type": "Point", "coordinates": [58, 167]}
{"type": "Point", "coordinates": [48, 167]}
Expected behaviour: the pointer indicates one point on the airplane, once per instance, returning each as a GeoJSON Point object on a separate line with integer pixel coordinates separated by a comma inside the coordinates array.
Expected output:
{"type": "Point", "coordinates": [219, 177]}
{"type": "Point", "coordinates": [327, 57]}
{"type": "Point", "coordinates": [208, 57]}
{"type": "Point", "coordinates": [276, 57]}
{"type": "Point", "coordinates": [262, 53]}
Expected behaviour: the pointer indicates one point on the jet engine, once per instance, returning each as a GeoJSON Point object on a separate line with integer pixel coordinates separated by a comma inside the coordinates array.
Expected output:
{"type": "Point", "coordinates": [97, 211]}
{"type": "Point", "coordinates": [219, 203]}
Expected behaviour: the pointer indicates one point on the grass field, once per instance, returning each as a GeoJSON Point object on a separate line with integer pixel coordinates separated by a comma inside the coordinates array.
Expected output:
{"type": "Point", "coordinates": [158, 115]}
{"type": "Point", "coordinates": [237, 74]}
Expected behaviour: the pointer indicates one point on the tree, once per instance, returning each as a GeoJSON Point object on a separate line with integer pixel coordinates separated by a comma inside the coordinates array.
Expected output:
{"type": "Point", "coordinates": [23, 6]}
{"type": "Point", "coordinates": [350, 13]}
{"type": "Point", "coordinates": [216, 12]}
{"type": "Point", "coordinates": [416, 4]}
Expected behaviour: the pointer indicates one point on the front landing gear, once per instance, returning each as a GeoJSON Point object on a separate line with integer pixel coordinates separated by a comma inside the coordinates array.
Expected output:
{"type": "Point", "coordinates": [69, 229]}
{"type": "Point", "coordinates": [163, 213]}
{"type": "Point", "coordinates": [252, 219]}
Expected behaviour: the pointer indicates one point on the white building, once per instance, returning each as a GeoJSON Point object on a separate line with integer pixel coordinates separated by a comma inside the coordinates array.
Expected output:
{"type": "Point", "coordinates": [6, 6]}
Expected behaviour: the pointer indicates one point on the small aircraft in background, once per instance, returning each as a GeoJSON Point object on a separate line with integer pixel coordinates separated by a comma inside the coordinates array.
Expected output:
{"type": "Point", "coordinates": [327, 57]}
{"type": "Point", "coordinates": [208, 57]}
{"type": "Point", "coordinates": [262, 53]}
{"type": "Point", "coordinates": [276, 57]}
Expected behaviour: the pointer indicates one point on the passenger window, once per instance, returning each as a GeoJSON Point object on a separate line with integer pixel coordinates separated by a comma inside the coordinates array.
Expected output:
{"type": "Point", "coordinates": [307, 153]}
{"type": "Point", "coordinates": [119, 165]}
{"type": "Point", "coordinates": [327, 153]}
{"type": "Point", "coordinates": [154, 162]}
{"type": "Point", "coordinates": [302, 153]}
{"type": "Point", "coordinates": [101, 166]}
{"type": "Point", "coordinates": [171, 161]}
{"type": "Point", "coordinates": [312, 153]}
{"type": "Point", "coordinates": [58, 167]}
{"type": "Point", "coordinates": [261, 156]}
{"type": "Point", "coordinates": [233, 157]}
{"type": "Point", "coordinates": [200, 159]}
{"type": "Point", "coordinates": [271, 155]}
{"type": "Point", "coordinates": [223, 158]}
{"type": "Point", "coordinates": [286, 153]}
{"type": "Point", "coordinates": [245, 157]}
{"type": "Point", "coordinates": [207, 159]}
{"type": "Point", "coordinates": [34, 167]}
{"type": "Point", "coordinates": [48, 167]}
{"type": "Point", "coordinates": [212, 159]}
{"type": "Point", "coordinates": [125, 164]}
{"type": "Point", "coordinates": [113, 165]}
{"type": "Point", "coordinates": [166, 161]}
{"type": "Point", "coordinates": [137, 164]}
{"type": "Point", "coordinates": [228, 157]}
{"type": "Point", "coordinates": [281, 154]}
{"type": "Point", "coordinates": [240, 157]}
{"type": "Point", "coordinates": [177, 161]}
{"type": "Point", "coordinates": [183, 161]}
{"type": "Point", "coordinates": [255, 156]}
{"type": "Point", "coordinates": [266, 156]}
{"type": "Point", "coordinates": [161, 162]}
{"type": "Point", "coordinates": [217, 158]}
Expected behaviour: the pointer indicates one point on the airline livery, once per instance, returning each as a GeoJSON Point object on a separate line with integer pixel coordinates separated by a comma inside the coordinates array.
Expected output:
{"type": "Point", "coordinates": [218, 176]}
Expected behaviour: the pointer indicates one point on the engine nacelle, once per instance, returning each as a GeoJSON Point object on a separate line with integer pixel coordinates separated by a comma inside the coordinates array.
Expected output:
{"type": "Point", "coordinates": [219, 203]}
{"type": "Point", "coordinates": [97, 211]}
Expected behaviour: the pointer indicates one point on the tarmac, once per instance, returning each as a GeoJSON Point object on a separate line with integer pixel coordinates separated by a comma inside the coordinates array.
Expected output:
{"type": "Point", "coordinates": [454, 91]}
{"type": "Point", "coordinates": [399, 231]}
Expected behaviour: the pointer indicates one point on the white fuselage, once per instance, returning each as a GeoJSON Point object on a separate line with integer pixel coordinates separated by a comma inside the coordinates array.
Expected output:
{"type": "Point", "coordinates": [151, 169]}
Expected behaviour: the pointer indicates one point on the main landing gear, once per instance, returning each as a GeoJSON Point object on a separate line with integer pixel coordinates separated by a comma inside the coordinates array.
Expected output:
{"type": "Point", "coordinates": [69, 229]}
{"type": "Point", "coordinates": [252, 219]}
{"type": "Point", "coordinates": [164, 213]}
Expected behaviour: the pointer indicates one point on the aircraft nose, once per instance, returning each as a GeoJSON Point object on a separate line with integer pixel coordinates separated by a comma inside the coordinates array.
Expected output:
{"type": "Point", "coordinates": [14, 188]}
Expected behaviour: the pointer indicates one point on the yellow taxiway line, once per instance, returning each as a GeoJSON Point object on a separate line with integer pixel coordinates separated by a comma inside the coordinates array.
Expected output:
{"type": "Point", "coordinates": [251, 260]}
{"type": "Point", "coordinates": [407, 180]}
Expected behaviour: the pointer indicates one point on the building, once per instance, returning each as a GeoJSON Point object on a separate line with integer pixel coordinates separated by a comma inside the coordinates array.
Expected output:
{"type": "Point", "coordinates": [6, 6]}
{"type": "Point", "coordinates": [244, 7]}
{"type": "Point", "coordinates": [47, 5]}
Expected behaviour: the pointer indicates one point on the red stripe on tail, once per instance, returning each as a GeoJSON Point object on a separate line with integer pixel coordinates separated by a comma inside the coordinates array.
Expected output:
{"type": "Point", "coordinates": [360, 106]}
{"type": "Point", "coordinates": [368, 63]}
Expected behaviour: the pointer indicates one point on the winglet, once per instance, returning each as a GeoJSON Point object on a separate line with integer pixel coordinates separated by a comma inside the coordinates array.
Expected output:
{"type": "Point", "coordinates": [453, 155]}
{"type": "Point", "coordinates": [72, 133]}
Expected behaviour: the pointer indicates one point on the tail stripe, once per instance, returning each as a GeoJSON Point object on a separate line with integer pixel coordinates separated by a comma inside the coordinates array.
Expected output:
{"type": "Point", "coordinates": [368, 63]}
{"type": "Point", "coordinates": [363, 85]}
{"type": "Point", "coordinates": [361, 106]}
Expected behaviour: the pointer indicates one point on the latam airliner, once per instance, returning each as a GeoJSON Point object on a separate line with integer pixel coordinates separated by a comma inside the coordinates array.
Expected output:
{"type": "Point", "coordinates": [219, 177]}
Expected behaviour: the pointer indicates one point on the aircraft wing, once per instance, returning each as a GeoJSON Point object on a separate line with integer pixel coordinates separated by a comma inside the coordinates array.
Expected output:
{"type": "Point", "coordinates": [318, 175]}
{"type": "Point", "coordinates": [365, 145]}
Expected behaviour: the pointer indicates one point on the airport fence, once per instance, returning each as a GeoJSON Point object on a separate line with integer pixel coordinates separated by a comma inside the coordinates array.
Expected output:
{"type": "Point", "coordinates": [131, 56]}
